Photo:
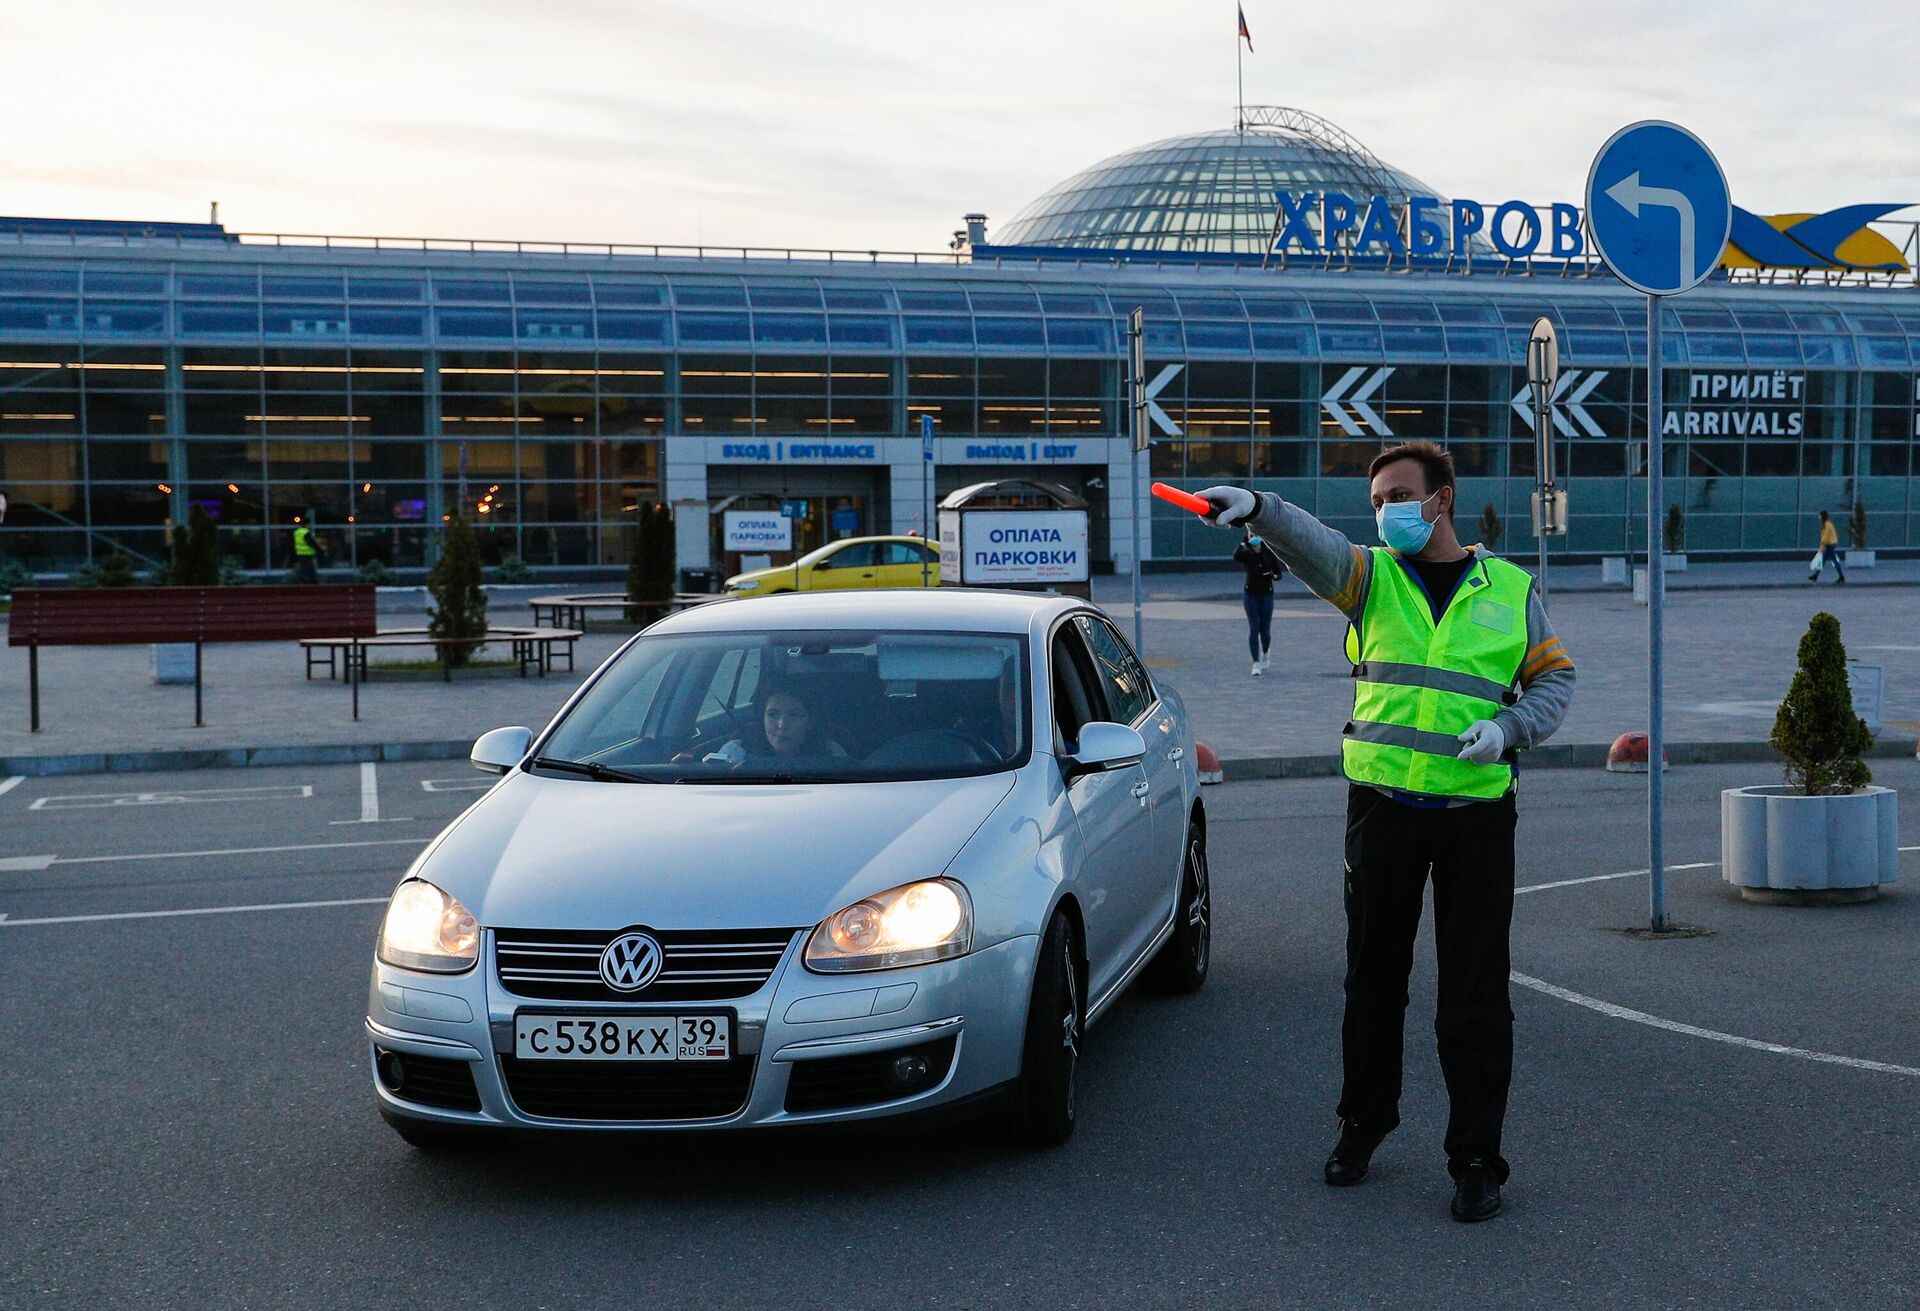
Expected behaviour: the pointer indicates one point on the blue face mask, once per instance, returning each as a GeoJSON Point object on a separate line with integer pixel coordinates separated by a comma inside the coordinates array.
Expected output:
{"type": "Point", "coordinates": [1253, 541]}
{"type": "Point", "coordinates": [1403, 527]}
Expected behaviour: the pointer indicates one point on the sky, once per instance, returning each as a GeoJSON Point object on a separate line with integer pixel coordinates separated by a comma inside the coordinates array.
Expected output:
{"type": "Point", "coordinates": [875, 124]}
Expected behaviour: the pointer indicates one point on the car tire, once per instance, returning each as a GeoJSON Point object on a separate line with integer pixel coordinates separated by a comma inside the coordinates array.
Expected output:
{"type": "Point", "coordinates": [1182, 963]}
{"type": "Point", "coordinates": [1044, 1108]}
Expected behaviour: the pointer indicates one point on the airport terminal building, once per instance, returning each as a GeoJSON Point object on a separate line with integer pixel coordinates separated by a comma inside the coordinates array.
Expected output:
{"type": "Point", "coordinates": [545, 391]}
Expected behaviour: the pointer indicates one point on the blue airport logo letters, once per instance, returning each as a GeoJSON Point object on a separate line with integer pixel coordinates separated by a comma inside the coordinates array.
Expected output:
{"type": "Point", "coordinates": [1433, 227]}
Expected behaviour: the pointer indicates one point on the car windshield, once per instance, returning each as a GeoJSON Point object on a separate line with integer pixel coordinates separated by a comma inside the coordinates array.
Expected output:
{"type": "Point", "coordinates": [834, 706]}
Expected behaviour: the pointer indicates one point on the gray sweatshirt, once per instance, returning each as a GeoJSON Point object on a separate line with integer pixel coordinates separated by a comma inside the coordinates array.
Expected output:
{"type": "Point", "coordinates": [1339, 573]}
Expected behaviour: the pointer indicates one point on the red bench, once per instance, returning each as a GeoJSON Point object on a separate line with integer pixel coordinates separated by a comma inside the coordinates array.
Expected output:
{"type": "Point", "coordinates": [122, 616]}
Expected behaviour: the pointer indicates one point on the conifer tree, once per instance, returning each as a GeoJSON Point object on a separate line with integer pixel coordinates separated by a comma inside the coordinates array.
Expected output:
{"type": "Point", "coordinates": [1816, 729]}
{"type": "Point", "coordinates": [460, 604]}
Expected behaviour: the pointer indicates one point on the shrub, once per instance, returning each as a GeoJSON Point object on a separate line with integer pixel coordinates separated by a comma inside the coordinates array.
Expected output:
{"type": "Point", "coordinates": [377, 573]}
{"type": "Point", "coordinates": [1816, 729]}
{"type": "Point", "coordinates": [1491, 529]}
{"type": "Point", "coordinates": [1857, 526]}
{"type": "Point", "coordinates": [196, 552]}
{"type": "Point", "coordinates": [115, 570]}
{"type": "Point", "coordinates": [513, 570]}
{"type": "Point", "coordinates": [1676, 531]}
{"type": "Point", "coordinates": [230, 573]}
{"type": "Point", "coordinates": [460, 605]}
{"type": "Point", "coordinates": [13, 576]}
{"type": "Point", "coordinates": [650, 563]}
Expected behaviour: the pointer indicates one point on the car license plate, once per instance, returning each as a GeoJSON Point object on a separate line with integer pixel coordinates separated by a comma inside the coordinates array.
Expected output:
{"type": "Point", "coordinates": [622, 1038]}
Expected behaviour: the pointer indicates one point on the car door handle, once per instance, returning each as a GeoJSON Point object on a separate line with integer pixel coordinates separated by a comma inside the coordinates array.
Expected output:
{"type": "Point", "coordinates": [1177, 753]}
{"type": "Point", "coordinates": [1141, 789]}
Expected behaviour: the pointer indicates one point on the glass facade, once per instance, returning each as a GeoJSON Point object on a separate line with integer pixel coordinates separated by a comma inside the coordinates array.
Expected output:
{"type": "Point", "coordinates": [383, 391]}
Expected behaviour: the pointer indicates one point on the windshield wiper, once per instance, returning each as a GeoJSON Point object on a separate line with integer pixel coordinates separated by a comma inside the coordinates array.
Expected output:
{"type": "Point", "coordinates": [592, 769]}
{"type": "Point", "coordinates": [749, 778]}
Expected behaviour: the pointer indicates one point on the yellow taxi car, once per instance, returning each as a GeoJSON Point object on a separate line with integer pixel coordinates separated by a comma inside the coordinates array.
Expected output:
{"type": "Point", "coordinates": [851, 562]}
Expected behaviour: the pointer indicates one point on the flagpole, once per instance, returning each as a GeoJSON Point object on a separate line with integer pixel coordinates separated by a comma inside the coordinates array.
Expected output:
{"type": "Point", "coordinates": [1239, 78]}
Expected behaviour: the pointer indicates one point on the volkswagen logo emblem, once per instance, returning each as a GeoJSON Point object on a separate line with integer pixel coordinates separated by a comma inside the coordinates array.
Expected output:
{"type": "Point", "coordinates": [631, 961]}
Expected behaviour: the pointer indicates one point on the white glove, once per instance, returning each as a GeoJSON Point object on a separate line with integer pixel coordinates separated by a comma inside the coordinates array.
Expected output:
{"type": "Point", "coordinates": [1483, 742]}
{"type": "Point", "coordinates": [1231, 505]}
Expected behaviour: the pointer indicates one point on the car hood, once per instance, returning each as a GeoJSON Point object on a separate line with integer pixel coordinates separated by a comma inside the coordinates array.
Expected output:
{"type": "Point", "coordinates": [778, 571]}
{"type": "Point", "coordinates": [564, 853]}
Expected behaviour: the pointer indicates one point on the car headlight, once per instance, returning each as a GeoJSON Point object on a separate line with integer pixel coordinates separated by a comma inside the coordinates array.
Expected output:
{"type": "Point", "coordinates": [426, 929]}
{"type": "Point", "coordinates": [750, 585]}
{"type": "Point", "coordinates": [908, 925]}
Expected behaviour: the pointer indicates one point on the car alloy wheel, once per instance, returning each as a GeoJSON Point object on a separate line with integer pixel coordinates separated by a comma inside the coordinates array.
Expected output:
{"type": "Point", "coordinates": [1045, 1105]}
{"type": "Point", "coordinates": [1182, 963]}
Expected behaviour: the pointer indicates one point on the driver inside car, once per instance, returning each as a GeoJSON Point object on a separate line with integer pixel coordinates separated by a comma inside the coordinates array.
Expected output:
{"type": "Point", "coordinates": [787, 731]}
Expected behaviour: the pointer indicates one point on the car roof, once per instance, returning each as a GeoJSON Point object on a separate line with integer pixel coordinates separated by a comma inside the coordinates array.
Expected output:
{"type": "Point", "coordinates": [960, 609]}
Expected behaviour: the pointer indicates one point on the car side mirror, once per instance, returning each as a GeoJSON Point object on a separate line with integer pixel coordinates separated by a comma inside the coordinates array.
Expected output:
{"type": "Point", "coordinates": [502, 749]}
{"type": "Point", "coordinates": [1104, 746]}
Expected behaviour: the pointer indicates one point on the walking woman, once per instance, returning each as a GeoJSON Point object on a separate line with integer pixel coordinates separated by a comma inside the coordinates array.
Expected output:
{"type": "Point", "coordinates": [1262, 567]}
{"type": "Point", "coordinates": [1829, 552]}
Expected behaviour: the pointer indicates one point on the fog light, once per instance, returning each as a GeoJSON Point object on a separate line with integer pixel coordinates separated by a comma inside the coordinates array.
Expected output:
{"type": "Point", "coordinates": [908, 1072]}
{"type": "Point", "coordinates": [392, 1074]}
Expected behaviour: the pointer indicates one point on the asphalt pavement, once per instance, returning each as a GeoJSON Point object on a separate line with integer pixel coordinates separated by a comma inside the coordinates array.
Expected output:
{"type": "Point", "coordinates": [1724, 1120]}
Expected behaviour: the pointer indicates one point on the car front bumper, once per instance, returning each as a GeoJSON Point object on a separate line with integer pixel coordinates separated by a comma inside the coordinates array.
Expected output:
{"type": "Point", "coordinates": [805, 1046]}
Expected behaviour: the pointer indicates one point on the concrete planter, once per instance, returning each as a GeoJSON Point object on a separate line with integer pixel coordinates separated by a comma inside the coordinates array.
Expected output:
{"type": "Point", "coordinates": [1674, 563]}
{"type": "Point", "coordinates": [172, 662]}
{"type": "Point", "coordinates": [1858, 559]}
{"type": "Point", "coordinates": [1781, 846]}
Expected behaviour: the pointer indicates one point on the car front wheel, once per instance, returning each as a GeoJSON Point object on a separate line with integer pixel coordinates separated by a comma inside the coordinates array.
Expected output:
{"type": "Point", "coordinates": [1044, 1109]}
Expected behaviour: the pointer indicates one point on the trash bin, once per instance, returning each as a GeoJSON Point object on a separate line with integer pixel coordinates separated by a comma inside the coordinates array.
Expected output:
{"type": "Point", "coordinates": [699, 580]}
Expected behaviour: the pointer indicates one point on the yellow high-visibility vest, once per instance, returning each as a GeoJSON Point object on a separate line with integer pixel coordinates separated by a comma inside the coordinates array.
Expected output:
{"type": "Point", "coordinates": [303, 541]}
{"type": "Point", "coordinates": [1418, 684]}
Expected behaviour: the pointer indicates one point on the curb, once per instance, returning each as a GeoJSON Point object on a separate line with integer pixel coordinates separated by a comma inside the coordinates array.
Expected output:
{"type": "Point", "coordinates": [125, 762]}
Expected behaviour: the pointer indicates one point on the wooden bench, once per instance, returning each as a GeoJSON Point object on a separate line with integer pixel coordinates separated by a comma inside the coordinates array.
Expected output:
{"type": "Point", "coordinates": [571, 610]}
{"type": "Point", "coordinates": [128, 616]}
{"type": "Point", "coordinates": [538, 649]}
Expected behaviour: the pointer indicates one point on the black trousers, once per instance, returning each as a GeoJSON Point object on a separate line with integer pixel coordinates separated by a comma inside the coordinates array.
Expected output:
{"type": "Point", "coordinates": [1391, 848]}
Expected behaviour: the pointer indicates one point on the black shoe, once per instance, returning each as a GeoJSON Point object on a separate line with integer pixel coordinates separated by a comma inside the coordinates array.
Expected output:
{"type": "Point", "coordinates": [1476, 1192]}
{"type": "Point", "coordinates": [1351, 1155]}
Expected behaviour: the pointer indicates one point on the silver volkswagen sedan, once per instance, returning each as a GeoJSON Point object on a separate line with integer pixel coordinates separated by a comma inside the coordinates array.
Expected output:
{"type": "Point", "coordinates": [803, 859]}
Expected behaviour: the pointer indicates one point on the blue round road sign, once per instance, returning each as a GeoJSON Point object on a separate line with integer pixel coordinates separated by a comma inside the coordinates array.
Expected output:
{"type": "Point", "coordinates": [1659, 207]}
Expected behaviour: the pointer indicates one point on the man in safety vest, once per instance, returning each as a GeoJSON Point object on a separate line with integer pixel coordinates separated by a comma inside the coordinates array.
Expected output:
{"type": "Point", "coordinates": [306, 552]}
{"type": "Point", "coordinates": [1455, 668]}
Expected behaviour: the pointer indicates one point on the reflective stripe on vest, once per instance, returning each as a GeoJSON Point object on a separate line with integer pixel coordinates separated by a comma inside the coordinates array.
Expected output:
{"type": "Point", "coordinates": [1419, 684]}
{"type": "Point", "coordinates": [303, 541]}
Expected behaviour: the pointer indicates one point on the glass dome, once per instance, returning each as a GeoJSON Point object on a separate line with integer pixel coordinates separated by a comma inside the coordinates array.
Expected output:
{"type": "Point", "coordinates": [1213, 191]}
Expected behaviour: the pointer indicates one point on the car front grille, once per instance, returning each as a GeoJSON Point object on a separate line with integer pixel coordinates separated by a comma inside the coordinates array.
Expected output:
{"type": "Point", "coordinates": [699, 964]}
{"type": "Point", "coordinates": [617, 1090]}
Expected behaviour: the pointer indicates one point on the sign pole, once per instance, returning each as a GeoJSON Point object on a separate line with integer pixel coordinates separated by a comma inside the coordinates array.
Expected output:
{"type": "Point", "coordinates": [1656, 629]}
{"type": "Point", "coordinates": [926, 495]}
{"type": "Point", "coordinates": [1543, 377]}
{"type": "Point", "coordinates": [1660, 213]}
{"type": "Point", "coordinates": [1137, 410]}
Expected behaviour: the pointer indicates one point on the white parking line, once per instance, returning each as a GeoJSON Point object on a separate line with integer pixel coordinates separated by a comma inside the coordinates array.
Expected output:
{"type": "Point", "coordinates": [1613, 1011]}
{"type": "Point", "coordinates": [172, 797]}
{"type": "Point", "coordinates": [42, 862]}
{"type": "Point", "coordinates": [6, 923]}
{"type": "Point", "coordinates": [370, 799]}
{"type": "Point", "coordinates": [1711, 1035]}
{"type": "Point", "coordinates": [456, 784]}
{"type": "Point", "coordinates": [8, 785]}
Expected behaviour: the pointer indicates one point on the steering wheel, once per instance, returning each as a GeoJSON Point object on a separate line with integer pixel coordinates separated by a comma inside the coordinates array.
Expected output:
{"type": "Point", "coordinates": [937, 743]}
